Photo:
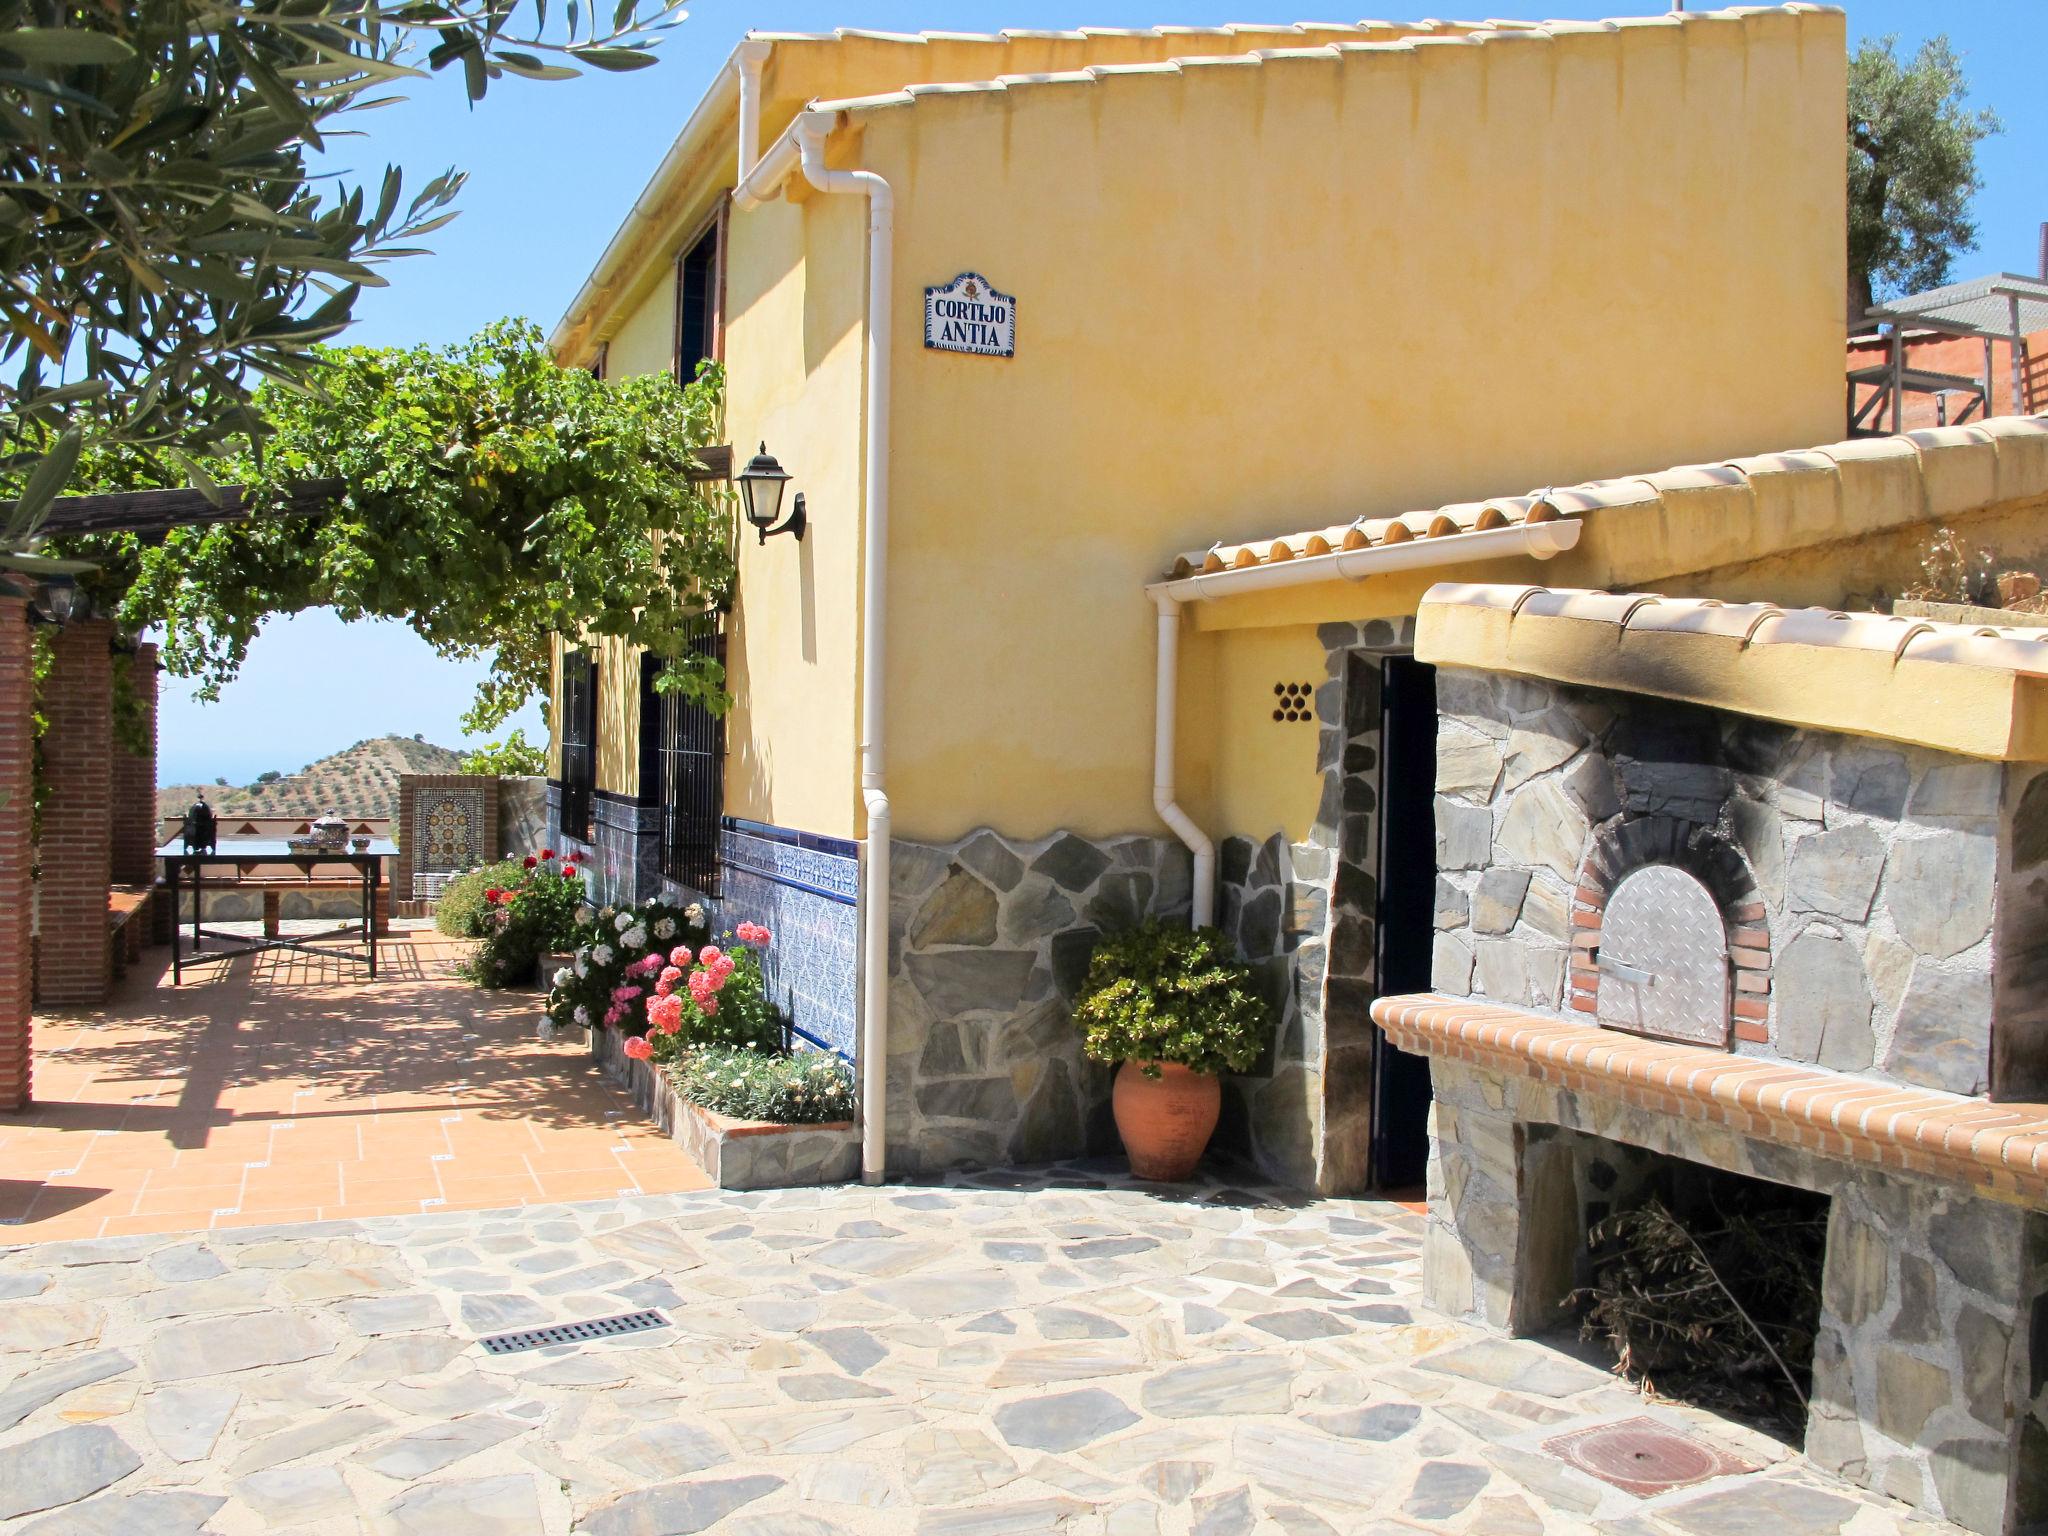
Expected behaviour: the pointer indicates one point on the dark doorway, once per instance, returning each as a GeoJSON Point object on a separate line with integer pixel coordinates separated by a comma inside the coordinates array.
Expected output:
{"type": "Point", "coordinates": [1407, 925]}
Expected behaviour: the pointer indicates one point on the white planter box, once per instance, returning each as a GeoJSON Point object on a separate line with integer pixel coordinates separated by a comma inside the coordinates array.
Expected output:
{"type": "Point", "coordinates": [737, 1154]}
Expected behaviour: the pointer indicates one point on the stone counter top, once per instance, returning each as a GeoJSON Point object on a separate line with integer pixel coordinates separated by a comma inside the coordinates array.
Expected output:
{"type": "Point", "coordinates": [1998, 1149]}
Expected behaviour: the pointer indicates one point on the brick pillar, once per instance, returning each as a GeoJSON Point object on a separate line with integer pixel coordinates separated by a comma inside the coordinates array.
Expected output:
{"type": "Point", "coordinates": [77, 847]}
{"type": "Point", "coordinates": [134, 806]}
{"type": "Point", "coordinates": [16, 789]}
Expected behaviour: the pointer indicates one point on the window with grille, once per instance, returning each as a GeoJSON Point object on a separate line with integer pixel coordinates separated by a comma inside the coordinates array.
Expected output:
{"type": "Point", "coordinates": [579, 741]}
{"type": "Point", "coordinates": [686, 769]}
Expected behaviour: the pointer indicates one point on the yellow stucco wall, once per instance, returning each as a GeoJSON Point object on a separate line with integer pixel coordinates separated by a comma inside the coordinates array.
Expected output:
{"type": "Point", "coordinates": [1257, 297]}
{"type": "Point", "coordinates": [645, 341]}
{"type": "Point", "coordinates": [802, 69]}
{"type": "Point", "coordinates": [794, 342]}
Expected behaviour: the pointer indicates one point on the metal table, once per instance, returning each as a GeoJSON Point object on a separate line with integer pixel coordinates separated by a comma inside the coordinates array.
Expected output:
{"type": "Point", "coordinates": [244, 855]}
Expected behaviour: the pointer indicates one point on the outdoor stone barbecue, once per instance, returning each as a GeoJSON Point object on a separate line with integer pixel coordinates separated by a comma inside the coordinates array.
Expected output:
{"type": "Point", "coordinates": [1801, 860]}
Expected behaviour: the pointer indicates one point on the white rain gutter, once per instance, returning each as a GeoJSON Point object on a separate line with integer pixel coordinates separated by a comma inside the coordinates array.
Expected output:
{"type": "Point", "coordinates": [646, 216]}
{"type": "Point", "coordinates": [809, 132]}
{"type": "Point", "coordinates": [1540, 540]}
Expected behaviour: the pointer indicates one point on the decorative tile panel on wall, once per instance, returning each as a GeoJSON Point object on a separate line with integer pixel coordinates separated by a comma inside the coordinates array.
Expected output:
{"type": "Point", "coordinates": [805, 888]}
{"type": "Point", "coordinates": [447, 825]}
{"type": "Point", "coordinates": [628, 838]}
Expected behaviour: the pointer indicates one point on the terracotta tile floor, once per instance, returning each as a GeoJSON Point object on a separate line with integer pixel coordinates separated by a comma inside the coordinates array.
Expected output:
{"type": "Point", "coordinates": [285, 1087]}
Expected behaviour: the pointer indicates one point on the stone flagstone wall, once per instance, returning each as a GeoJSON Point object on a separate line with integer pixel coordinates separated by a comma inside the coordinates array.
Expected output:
{"type": "Point", "coordinates": [1932, 1300]}
{"type": "Point", "coordinates": [989, 941]}
{"type": "Point", "coordinates": [1872, 869]}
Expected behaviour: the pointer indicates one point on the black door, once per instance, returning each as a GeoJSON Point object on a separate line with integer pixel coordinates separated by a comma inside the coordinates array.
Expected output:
{"type": "Point", "coordinates": [1407, 924]}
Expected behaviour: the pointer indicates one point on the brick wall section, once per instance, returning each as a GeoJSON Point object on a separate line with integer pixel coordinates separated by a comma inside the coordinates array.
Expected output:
{"type": "Point", "coordinates": [134, 807]}
{"type": "Point", "coordinates": [76, 852]}
{"type": "Point", "coordinates": [16, 787]}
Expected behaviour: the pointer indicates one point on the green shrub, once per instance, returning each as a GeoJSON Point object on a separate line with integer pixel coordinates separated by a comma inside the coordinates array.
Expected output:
{"type": "Point", "coordinates": [533, 912]}
{"type": "Point", "coordinates": [1158, 993]}
{"type": "Point", "coordinates": [807, 1088]}
{"type": "Point", "coordinates": [461, 909]}
{"type": "Point", "coordinates": [512, 757]}
{"type": "Point", "coordinates": [745, 1019]}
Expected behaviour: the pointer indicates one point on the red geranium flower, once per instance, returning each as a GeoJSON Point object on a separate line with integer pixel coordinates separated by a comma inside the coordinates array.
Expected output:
{"type": "Point", "coordinates": [547, 853]}
{"type": "Point", "coordinates": [532, 862]}
{"type": "Point", "coordinates": [493, 894]}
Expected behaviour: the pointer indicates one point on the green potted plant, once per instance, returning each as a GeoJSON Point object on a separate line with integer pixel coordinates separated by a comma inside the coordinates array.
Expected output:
{"type": "Point", "coordinates": [1171, 1008]}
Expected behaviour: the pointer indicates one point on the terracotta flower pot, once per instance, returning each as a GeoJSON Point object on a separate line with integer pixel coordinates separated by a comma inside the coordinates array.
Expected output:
{"type": "Point", "coordinates": [1166, 1122]}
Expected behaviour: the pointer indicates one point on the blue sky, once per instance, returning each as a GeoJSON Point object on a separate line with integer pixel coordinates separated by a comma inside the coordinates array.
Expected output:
{"type": "Point", "coordinates": [552, 169]}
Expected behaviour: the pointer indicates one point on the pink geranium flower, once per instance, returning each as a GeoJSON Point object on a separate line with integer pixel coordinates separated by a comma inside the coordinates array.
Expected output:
{"type": "Point", "coordinates": [638, 1047]}
{"type": "Point", "coordinates": [665, 1013]}
{"type": "Point", "coordinates": [680, 955]}
{"type": "Point", "coordinates": [709, 954]}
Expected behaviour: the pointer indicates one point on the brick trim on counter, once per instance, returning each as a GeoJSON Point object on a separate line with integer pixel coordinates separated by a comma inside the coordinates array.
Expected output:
{"type": "Point", "coordinates": [1998, 1149]}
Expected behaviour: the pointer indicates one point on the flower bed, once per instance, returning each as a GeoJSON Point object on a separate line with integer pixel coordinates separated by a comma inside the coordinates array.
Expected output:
{"type": "Point", "coordinates": [688, 1028]}
{"type": "Point", "coordinates": [737, 1154]}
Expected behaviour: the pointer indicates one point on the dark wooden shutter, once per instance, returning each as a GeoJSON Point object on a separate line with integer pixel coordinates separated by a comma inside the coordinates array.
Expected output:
{"type": "Point", "coordinates": [691, 765]}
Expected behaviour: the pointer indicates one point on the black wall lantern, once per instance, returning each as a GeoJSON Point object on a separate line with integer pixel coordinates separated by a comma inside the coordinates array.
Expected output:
{"type": "Point", "coordinates": [762, 483]}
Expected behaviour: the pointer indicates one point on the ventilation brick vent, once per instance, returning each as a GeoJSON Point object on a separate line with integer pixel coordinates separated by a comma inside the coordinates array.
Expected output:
{"type": "Point", "coordinates": [1293, 701]}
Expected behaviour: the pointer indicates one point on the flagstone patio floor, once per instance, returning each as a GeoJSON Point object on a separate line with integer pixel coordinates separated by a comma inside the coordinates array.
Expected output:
{"type": "Point", "coordinates": [288, 1087]}
{"type": "Point", "coordinates": [1057, 1351]}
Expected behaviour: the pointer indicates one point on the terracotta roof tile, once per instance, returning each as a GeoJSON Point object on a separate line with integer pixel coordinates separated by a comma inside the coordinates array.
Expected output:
{"type": "Point", "coordinates": [1951, 469]}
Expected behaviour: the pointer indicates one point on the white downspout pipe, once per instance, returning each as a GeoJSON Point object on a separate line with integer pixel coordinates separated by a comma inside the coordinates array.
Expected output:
{"type": "Point", "coordinates": [809, 131]}
{"type": "Point", "coordinates": [751, 57]}
{"type": "Point", "coordinates": [1541, 540]}
{"type": "Point", "coordinates": [1164, 711]}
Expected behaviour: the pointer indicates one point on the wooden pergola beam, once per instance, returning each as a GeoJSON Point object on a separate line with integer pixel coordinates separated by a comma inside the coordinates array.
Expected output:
{"type": "Point", "coordinates": [159, 511]}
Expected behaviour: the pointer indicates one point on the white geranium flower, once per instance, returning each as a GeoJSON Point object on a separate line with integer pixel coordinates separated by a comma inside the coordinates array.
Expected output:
{"type": "Point", "coordinates": [665, 929]}
{"type": "Point", "coordinates": [623, 921]}
{"type": "Point", "coordinates": [634, 937]}
{"type": "Point", "coordinates": [547, 1029]}
{"type": "Point", "coordinates": [564, 976]}
{"type": "Point", "coordinates": [583, 1016]}
{"type": "Point", "coordinates": [583, 964]}
{"type": "Point", "coordinates": [602, 955]}
{"type": "Point", "coordinates": [695, 913]}
{"type": "Point", "coordinates": [585, 917]}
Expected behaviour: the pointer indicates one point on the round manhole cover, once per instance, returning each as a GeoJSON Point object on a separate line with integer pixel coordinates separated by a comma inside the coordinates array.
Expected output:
{"type": "Point", "coordinates": [1642, 1456]}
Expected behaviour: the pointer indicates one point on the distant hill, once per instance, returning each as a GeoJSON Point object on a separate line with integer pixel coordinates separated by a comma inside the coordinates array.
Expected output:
{"type": "Point", "coordinates": [361, 781]}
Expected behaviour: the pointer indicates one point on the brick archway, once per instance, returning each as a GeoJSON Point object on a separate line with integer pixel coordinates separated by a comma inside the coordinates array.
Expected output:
{"type": "Point", "coordinates": [1709, 856]}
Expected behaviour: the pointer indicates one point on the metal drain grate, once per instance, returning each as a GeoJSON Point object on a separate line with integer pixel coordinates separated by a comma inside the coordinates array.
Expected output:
{"type": "Point", "coordinates": [571, 1333]}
